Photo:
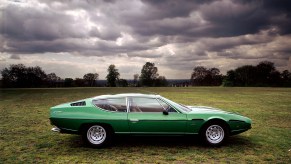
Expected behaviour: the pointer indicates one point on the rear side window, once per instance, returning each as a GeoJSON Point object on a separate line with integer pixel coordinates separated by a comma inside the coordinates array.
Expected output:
{"type": "Point", "coordinates": [114, 105]}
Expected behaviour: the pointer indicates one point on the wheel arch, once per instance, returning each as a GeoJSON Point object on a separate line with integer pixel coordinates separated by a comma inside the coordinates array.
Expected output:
{"type": "Point", "coordinates": [216, 120]}
{"type": "Point", "coordinates": [86, 125]}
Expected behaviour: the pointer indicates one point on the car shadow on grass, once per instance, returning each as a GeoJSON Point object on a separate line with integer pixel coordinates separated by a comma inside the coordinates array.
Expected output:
{"type": "Point", "coordinates": [159, 141]}
{"type": "Point", "coordinates": [163, 141]}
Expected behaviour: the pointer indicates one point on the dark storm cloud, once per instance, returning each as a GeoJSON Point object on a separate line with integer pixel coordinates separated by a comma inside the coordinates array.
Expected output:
{"type": "Point", "coordinates": [168, 8]}
{"type": "Point", "coordinates": [224, 18]}
{"type": "Point", "coordinates": [37, 24]}
{"type": "Point", "coordinates": [159, 18]}
{"type": "Point", "coordinates": [231, 19]}
{"type": "Point", "coordinates": [220, 44]}
{"type": "Point", "coordinates": [108, 35]}
{"type": "Point", "coordinates": [165, 18]}
{"type": "Point", "coordinates": [169, 31]}
{"type": "Point", "coordinates": [27, 47]}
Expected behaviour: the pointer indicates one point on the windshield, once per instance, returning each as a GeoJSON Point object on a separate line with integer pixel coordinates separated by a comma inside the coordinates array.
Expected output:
{"type": "Point", "coordinates": [179, 106]}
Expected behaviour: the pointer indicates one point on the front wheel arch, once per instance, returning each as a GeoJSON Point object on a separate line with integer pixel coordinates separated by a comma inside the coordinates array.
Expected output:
{"type": "Point", "coordinates": [219, 122]}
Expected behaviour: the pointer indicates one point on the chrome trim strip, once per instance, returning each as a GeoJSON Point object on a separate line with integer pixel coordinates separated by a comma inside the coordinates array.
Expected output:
{"type": "Point", "coordinates": [197, 119]}
{"type": "Point", "coordinates": [69, 130]}
{"type": "Point", "coordinates": [122, 132]}
{"type": "Point", "coordinates": [133, 120]}
{"type": "Point", "coordinates": [93, 119]}
{"type": "Point", "coordinates": [162, 120]}
{"type": "Point", "coordinates": [236, 121]}
{"type": "Point", "coordinates": [157, 133]}
{"type": "Point", "coordinates": [153, 133]}
{"type": "Point", "coordinates": [191, 133]}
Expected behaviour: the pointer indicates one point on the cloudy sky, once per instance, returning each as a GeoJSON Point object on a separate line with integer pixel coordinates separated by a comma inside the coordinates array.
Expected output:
{"type": "Point", "coordinates": [74, 37]}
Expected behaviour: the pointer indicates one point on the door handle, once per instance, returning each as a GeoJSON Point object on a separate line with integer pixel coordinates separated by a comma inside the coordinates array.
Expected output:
{"type": "Point", "coordinates": [133, 120]}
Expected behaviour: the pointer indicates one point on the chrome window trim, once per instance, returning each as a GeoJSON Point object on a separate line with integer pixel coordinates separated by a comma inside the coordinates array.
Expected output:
{"type": "Point", "coordinates": [127, 104]}
{"type": "Point", "coordinates": [169, 105]}
{"type": "Point", "coordinates": [160, 104]}
{"type": "Point", "coordinates": [151, 112]}
{"type": "Point", "coordinates": [177, 109]}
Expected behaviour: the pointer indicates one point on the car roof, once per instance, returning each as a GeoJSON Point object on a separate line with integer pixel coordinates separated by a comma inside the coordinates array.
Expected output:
{"type": "Point", "coordinates": [127, 95]}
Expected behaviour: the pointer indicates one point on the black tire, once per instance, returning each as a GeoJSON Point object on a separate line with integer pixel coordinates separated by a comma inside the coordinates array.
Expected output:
{"type": "Point", "coordinates": [97, 136]}
{"type": "Point", "coordinates": [214, 133]}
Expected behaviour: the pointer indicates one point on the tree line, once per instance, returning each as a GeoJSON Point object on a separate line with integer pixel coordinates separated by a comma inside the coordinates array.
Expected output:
{"type": "Point", "coordinates": [20, 76]}
{"type": "Point", "coordinates": [262, 75]}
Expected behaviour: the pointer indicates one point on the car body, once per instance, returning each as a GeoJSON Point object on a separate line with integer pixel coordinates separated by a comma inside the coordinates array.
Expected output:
{"type": "Point", "coordinates": [97, 119]}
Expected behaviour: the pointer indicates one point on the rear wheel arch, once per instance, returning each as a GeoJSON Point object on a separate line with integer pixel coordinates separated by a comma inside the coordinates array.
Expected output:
{"type": "Point", "coordinates": [86, 125]}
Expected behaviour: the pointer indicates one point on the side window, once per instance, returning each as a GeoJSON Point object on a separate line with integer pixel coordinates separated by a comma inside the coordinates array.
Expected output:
{"type": "Point", "coordinates": [166, 106]}
{"type": "Point", "coordinates": [145, 105]}
{"type": "Point", "coordinates": [115, 105]}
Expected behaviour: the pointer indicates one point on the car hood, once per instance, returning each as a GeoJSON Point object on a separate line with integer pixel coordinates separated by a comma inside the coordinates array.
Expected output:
{"type": "Point", "coordinates": [206, 109]}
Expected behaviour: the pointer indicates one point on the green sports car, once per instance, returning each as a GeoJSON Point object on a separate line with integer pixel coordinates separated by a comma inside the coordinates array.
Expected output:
{"type": "Point", "coordinates": [97, 119]}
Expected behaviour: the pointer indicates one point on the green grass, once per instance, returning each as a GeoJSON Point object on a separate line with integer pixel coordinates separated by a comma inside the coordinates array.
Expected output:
{"type": "Point", "coordinates": [25, 135]}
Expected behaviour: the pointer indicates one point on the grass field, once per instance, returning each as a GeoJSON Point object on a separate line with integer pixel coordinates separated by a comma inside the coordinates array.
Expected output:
{"type": "Point", "coordinates": [25, 135]}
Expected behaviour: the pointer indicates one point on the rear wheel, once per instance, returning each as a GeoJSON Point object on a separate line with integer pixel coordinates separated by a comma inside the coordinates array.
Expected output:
{"type": "Point", "coordinates": [96, 135]}
{"type": "Point", "coordinates": [214, 134]}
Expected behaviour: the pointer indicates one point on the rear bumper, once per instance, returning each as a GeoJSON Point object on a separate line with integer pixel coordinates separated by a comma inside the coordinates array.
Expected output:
{"type": "Point", "coordinates": [63, 130]}
{"type": "Point", "coordinates": [56, 129]}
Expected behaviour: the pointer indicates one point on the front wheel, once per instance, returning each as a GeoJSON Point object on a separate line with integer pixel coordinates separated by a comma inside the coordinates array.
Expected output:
{"type": "Point", "coordinates": [214, 134]}
{"type": "Point", "coordinates": [96, 136]}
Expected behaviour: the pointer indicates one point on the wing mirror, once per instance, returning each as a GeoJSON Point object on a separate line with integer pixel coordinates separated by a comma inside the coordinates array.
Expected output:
{"type": "Point", "coordinates": [165, 112]}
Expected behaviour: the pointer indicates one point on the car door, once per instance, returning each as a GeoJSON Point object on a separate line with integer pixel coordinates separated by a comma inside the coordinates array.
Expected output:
{"type": "Point", "coordinates": [114, 112]}
{"type": "Point", "coordinates": [146, 117]}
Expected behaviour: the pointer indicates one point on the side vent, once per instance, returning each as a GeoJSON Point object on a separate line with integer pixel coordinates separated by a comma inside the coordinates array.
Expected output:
{"type": "Point", "coordinates": [80, 103]}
